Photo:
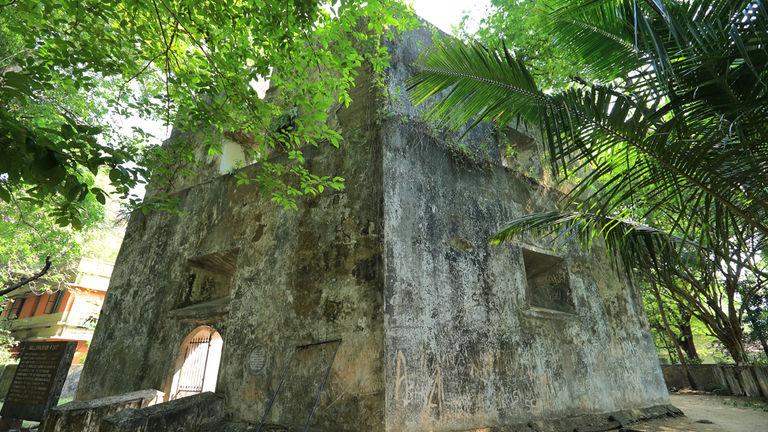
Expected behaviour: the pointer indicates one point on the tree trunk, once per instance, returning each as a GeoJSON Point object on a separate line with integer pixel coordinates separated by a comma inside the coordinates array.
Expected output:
{"type": "Point", "coordinates": [764, 343]}
{"type": "Point", "coordinates": [686, 335]}
{"type": "Point", "coordinates": [734, 345]}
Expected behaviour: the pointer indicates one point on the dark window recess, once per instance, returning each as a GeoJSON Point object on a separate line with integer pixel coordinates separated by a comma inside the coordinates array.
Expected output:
{"type": "Point", "coordinates": [54, 301]}
{"type": "Point", "coordinates": [548, 286]}
{"type": "Point", "coordinates": [16, 307]}
{"type": "Point", "coordinates": [209, 277]}
{"type": "Point", "coordinates": [35, 305]}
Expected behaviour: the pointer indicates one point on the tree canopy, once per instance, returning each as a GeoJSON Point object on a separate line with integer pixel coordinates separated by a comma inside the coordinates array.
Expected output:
{"type": "Point", "coordinates": [522, 25]}
{"type": "Point", "coordinates": [74, 73]}
{"type": "Point", "coordinates": [668, 130]}
{"type": "Point", "coordinates": [71, 70]}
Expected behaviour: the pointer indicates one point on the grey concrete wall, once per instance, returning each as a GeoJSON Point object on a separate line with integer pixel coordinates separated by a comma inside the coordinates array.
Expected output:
{"type": "Point", "coordinates": [761, 376]}
{"type": "Point", "coordinates": [705, 377]}
{"type": "Point", "coordinates": [463, 347]}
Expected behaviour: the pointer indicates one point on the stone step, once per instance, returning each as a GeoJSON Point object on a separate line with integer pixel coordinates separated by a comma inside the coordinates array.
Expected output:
{"type": "Point", "coordinates": [242, 427]}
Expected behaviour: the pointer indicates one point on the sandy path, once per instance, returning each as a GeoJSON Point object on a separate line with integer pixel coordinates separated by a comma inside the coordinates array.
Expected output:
{"type": "Point", "coordinates": [726, 414]}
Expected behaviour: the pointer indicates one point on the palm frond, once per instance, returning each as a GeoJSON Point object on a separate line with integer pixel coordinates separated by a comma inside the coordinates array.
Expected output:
{"type": "Point", "coordinates": [631, 242]}
{"type": "Point", "coordinates": [600, 32]}
{"type": "Point", "coordinates": [632, 245]}
{"type": "Point", "coordinates": [675, 132]}
{"type": "Point", "coordinates": [475, 84]}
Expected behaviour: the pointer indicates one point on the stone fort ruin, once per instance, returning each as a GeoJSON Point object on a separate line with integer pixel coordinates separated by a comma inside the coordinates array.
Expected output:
{"type": "Point", "coordinates": [378, 308]}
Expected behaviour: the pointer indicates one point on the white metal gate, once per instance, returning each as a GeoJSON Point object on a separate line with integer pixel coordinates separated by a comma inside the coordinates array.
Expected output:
{"type": "Point", "coordinates": [193, 370]}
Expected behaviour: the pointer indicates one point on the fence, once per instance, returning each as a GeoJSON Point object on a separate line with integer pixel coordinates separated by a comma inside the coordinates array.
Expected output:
{"type": "Point", "coordinates": [722, 379]}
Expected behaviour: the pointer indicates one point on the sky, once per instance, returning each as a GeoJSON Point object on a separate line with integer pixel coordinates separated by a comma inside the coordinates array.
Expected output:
{"type": "Point", "coordinates": [447, 13]}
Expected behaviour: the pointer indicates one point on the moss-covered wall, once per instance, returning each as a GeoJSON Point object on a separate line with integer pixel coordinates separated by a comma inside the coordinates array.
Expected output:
{"type": "Point", "coordinates": [464, 347]}
{"type": "Point", "coordinates": [435, 327]}
{"type": "Point", "coordinates": [301, 277]}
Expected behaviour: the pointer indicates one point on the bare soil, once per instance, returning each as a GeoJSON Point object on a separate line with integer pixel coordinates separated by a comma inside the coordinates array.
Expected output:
{"type": "Point", "coordinates": [709, 413]}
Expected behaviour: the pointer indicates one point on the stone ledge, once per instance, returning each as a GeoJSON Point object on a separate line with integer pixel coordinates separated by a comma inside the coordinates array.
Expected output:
{"type": "Point", "coordinates": [148, 394]}
{"type": "Point", "coordinates": [198, 311]}
{"type": "Point", "coordinates": [86, 415]}
{"type": "Point", "coordinates": [187, 413]}
{"type": "Point", "coordinates": [539, 312]}
{"type": "Point", "coordinates": [589, 422]}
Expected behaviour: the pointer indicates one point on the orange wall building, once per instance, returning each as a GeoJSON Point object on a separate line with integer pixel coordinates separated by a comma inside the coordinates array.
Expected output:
{"type": "Point", "coordinates": [68, 314]}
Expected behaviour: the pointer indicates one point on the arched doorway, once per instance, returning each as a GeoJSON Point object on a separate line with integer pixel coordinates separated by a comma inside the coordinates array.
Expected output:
{"type": "Point", "coordinates": [197, 364]}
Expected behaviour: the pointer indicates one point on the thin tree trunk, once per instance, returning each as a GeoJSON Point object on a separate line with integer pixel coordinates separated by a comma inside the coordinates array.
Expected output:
{"type": "Point", "coordinates": [667, 346]}
{"type": "Point", "coordinates": [686, 335]}
{"type": "Point", "coordinates": [764, 343]}
{"type": "Point", "coordinates": [663, 342]}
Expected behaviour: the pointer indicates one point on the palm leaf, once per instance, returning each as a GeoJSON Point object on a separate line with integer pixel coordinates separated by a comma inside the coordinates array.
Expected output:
{"type": "Point", "coordinates": [633, 245]}
{"type": "Point", "coordinates": [475, 84]}
{"type": "Point", "coordinates": [675, 131]}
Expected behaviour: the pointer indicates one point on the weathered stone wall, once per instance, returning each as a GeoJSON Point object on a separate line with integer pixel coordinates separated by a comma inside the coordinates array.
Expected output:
{"type": "Point", "coordinates": [185, 414]}
{"type": "Point", "coordinates": [434, 325]}
{"type": "Point", "coordinates": [87, 416]}
{"type": "Point", "coordinates": [301, 277]}
{"type": "Point", "coordinates": [464, 349]}
{"type": "Point", "coordinates": [6, 377]}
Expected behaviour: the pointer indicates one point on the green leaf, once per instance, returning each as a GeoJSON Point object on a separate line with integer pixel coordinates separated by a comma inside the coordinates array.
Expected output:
{"type": "Point", "coordinates": [67, 131]}
{"type": "Point", "coordinates": [5, 195]}
{"type": "Point", "coordinates": [16, 80]}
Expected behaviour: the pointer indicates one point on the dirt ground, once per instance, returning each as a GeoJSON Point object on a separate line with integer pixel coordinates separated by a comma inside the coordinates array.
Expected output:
{"type": "Point", "coordinates": [708, 413]}
{"type": "Point", "coordinates": [703, 413]}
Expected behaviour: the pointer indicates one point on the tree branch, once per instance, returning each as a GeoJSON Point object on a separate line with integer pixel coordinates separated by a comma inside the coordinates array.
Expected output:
{"type": "Point", "coordinates": [29, 279]}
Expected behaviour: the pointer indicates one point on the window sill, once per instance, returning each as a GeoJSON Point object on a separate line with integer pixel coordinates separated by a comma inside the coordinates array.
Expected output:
{"type": "Point", "coordinates": [208, 309]}
{"type": "Point", "coordinates": [539, 312]}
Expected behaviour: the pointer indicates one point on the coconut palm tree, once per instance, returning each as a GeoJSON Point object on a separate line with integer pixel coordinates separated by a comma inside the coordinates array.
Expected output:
{"type": "Point", "coordinates": [670, 129]}
{"type": "Point", "coordinates": [675, 123]}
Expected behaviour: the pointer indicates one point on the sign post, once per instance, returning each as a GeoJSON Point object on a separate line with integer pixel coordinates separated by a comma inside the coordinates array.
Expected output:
{"type": "Point", "coordinates": [37, 384]}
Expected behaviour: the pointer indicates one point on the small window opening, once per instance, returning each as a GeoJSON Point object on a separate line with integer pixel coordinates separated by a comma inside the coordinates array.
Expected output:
{"type": "Point", "coordinates": [232, 157]}
{"type": "Point", "coordinates": [548, 286]}
{"type": "Point", "coordinates": [16, 308]}
{"type": "Point", "coordinates": [209, 277]}
{"type": "Point", "coordinates": [54, 301]}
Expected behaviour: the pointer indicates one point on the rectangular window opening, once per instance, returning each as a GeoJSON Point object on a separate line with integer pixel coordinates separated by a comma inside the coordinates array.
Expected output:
{"type": "Point", "coordinates": [209, 277]}
{"type": "Point", "coordinates": [54, 301]}
{"type": "Point", "coordinates": [16, 308]}
{"type": "Point", "coordinates": [548, 285]}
